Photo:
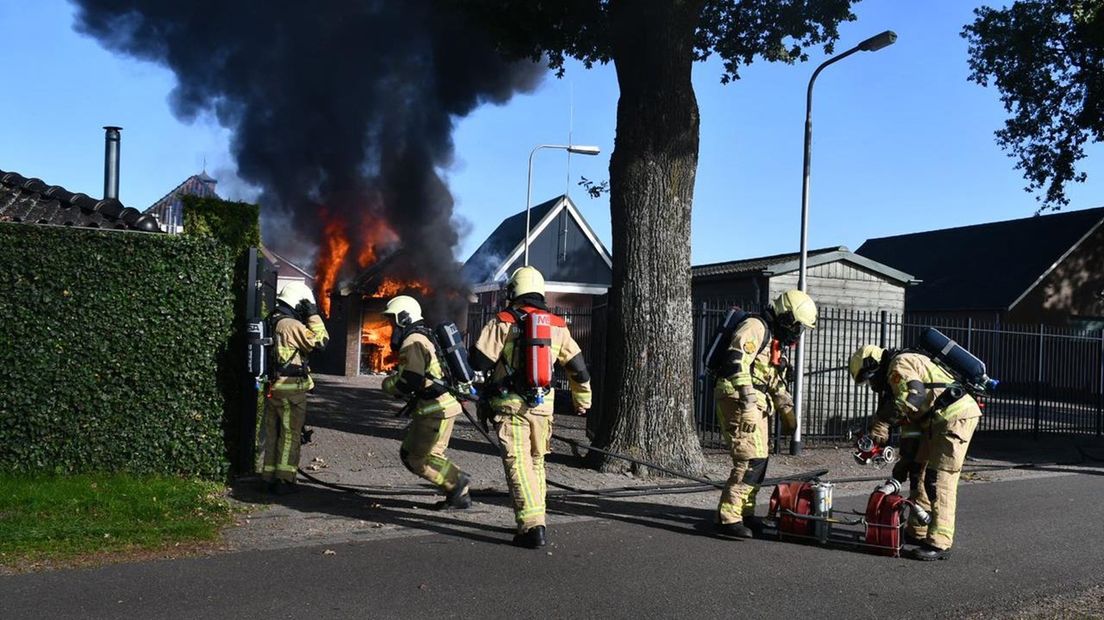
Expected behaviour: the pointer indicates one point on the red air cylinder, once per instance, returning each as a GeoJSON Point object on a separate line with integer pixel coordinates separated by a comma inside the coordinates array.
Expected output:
{"type": "Point", "coordinates": [536, 331]}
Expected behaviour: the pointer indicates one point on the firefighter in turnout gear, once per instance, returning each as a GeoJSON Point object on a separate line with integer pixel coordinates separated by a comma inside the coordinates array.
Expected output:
{"type": "Point", "coordinates": [516, 350]}
{"type": "Point", "coordinates": [750, 387]}
{"type": "Point", "coordinates": [938, 418]}
{"type": "Point", "coordinates": [433, 410]}
{"type": "Point", "coordinates": [297, 330]}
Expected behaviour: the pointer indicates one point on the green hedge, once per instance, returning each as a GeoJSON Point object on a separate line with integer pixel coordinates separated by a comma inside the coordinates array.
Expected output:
{"type": "Point", "coordinates": [111, 348]}
{"type": "Point", "coordinates": [236, 226]}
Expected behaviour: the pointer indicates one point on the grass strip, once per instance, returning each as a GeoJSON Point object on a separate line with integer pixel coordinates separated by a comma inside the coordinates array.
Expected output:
{"type": "Point", "coordinates": [61, 517]}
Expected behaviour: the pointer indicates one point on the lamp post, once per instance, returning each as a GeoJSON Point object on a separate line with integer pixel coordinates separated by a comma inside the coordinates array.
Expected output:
{"type": "Point", "coordinates": [572, 148]}
{"type": "Point", "coordinates": [872, 44]}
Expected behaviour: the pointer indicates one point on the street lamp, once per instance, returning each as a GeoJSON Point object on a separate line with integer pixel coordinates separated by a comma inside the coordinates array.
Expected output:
{"type": "Point", "coordinates": [872, 44]}
{"type": "Point", "coordinates": [572, 148]}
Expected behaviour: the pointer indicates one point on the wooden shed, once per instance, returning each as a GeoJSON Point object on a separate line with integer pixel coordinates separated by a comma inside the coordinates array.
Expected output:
{"type": "Point", "coordinates": [837, 277]}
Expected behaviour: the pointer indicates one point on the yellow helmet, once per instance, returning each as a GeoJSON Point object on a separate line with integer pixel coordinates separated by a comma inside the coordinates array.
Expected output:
{"type": "Point", "coordinates": [864, 362]}
{"type": "Point", "coordinates": [523, 281]}
{"type": "Point", "coordinates": [294, 292]}
{"type": "Point", "coordinates": [404, 309]}
{"type": "Point", "coordinates": [799, 306]}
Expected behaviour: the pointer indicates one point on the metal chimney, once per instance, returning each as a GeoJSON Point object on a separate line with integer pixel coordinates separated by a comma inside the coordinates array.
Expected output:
{"type": "Point", "coordinates": [111, 162]}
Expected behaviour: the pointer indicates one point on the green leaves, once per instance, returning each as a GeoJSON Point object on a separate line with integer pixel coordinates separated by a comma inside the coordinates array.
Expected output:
{"type": "Point", "coordinates": [1044, 56]}
{"type": "Point", "coordinates": [111, 347]}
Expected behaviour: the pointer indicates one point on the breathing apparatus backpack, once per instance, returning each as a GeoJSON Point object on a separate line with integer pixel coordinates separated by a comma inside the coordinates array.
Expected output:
{"type": "Point", "coordinates": [533, 377]}
{"type": "Point", "coordinates": [716, 359]}
{"type": "Point", "coordinates": [966, 369]}
{"type": "Point", "coordinates": [272, 369]}
{"type": "Point", "coordinates": [450, 348]}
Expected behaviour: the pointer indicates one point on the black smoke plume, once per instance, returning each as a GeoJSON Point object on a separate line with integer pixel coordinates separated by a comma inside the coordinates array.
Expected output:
{"type": "Point", "coordinates": [346, 105]}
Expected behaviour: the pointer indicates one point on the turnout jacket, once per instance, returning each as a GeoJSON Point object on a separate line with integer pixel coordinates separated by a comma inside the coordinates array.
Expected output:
{"type": "Point", "coordinates": [757, 384]}
{"type": "Point", "coordinates": [913, 387]}
{"type": "Point", "coordinates": [419, 375]}
{"type": "Point", "coordinates": [294, 342]}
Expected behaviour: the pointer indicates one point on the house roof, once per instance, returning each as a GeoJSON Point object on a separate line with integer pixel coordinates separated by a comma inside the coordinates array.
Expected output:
{"type": "Point", "coordinates": [200, 185]}
{"type": "Point", "coordinates": [34, 202]}
{"type": "Point", "coordinates": [507, 242]}
{"type": "Point", "coordinates": [984, 266]}
{"type": "Point", "coordinates": [786, 263]}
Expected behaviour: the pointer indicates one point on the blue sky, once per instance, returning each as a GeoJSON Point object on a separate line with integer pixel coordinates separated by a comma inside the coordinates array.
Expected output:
{"type": "Point", "coordinates": [902, 142]}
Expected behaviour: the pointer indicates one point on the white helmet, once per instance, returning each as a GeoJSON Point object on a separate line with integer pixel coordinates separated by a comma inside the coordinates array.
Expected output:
{"type": "Point", "coordinates": [294, 292]}
{"type": "Point", "coordinates": [405, 310]}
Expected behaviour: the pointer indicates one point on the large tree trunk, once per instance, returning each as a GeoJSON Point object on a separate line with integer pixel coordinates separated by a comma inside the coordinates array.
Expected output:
{"type": "Point", "coordinates": [649, 387]}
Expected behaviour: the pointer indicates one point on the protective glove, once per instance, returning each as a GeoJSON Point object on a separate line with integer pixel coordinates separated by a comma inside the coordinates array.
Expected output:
{"type": "Point", "coordinates": [789, 420]}
{"type": "Point", "coordinates": [389, 385]}
{"type": "Point", "coordinates": [750, 414]}
{"type": "Point", "coordinates": [878, 432]}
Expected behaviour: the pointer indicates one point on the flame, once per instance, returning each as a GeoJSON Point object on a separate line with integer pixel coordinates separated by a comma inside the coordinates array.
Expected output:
{"type": "Point", "coordinates": [375, 339]}
{"type": "Point", "coordinates": [391, 287]}
{"type": "Point", "coordinates": [376, 234]}
{"type": "Point", "coordinates": [335, 245]}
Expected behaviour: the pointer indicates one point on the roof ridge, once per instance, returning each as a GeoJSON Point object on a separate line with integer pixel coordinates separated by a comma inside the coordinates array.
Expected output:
{"type": "Point", "coordinates": [834, 248]}
{"type": "Point", "coordinates": [997, 223]}
{"type": "Point", "coordinates": [202, 177]}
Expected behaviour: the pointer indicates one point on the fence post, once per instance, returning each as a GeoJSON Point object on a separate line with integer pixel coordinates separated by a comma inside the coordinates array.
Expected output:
{"type": "Point", "coordinates": [1039, 384]}
{"type": "Point", "coordinates": [1100, 390]}
{"type": "Point", "coordinates": [883, 331]}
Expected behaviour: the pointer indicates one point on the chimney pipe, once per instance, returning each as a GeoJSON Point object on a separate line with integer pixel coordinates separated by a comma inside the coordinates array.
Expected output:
{"type": "Point", "coordinates": [111, 162]}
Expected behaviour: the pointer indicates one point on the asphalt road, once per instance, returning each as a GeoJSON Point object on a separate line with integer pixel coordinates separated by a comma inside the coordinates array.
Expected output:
{"type": "Point", "coordinates": [1018, 541]}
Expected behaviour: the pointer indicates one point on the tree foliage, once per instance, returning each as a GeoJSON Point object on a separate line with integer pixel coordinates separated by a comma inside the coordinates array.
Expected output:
{"type": "Point", "coordinates": [738, 31]}
{"type": "Point", "coordinates": [1046, 58]}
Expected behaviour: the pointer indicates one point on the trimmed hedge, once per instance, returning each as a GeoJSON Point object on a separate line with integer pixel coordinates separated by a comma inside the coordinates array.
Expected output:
{"type": "Point", "coordinates": [111, 345]}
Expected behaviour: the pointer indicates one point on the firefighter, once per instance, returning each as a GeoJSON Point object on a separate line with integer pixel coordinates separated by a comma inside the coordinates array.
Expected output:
{"type": "Point", "coordinates": [750, 387]}
{"type": "Point", "coordinates": [521, 413]}
{"type": "Point", "coordinates": [928, 402]}
{"type": "Point", "coordinates": [420, 378]}
{"type": "Point", "coordinates": [911, 445]}
{"type": "Point", "coordinates": [297, 331]}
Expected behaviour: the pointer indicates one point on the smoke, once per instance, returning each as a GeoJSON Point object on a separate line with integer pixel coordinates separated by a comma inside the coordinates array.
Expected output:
{"type": "Point", "coordinates": [341, 105]}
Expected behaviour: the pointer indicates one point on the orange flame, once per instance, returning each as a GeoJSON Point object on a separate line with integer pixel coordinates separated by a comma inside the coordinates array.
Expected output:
{"type": "Point", "coordinates": [335, 245]}
{"type": "Point", "coordinates": [375, 339]}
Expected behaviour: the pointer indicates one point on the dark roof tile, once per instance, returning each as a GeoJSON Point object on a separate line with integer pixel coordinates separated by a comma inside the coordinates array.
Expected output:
{"type": "Point", "coordinates": [31, 200]}
{"type": "Point", "coordinates": [984, 266]}
{"type": "Point", "coordinates": [489, 256]}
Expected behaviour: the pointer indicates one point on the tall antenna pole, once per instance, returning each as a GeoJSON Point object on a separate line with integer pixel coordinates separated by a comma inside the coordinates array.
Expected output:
{"type": "Point", "coordinates": [570, 130]}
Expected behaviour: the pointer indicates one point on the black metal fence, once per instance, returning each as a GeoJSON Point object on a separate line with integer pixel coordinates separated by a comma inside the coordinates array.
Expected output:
{"type": "Point", "coordinates": [1051, 379]}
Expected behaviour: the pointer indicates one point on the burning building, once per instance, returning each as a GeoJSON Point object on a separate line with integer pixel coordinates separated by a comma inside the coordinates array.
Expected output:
{"type": "Point", "coordinates": [343, 123]}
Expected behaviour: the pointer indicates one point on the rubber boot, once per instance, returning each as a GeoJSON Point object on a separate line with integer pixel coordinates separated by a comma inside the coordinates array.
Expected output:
{"type": "Point", "coordinates": [927, 553]}
{"type": "Point", "coordinates": [734, 530]}
{"type": "Point", "coordinates": [460, 496]}
{"type": "Point", "coordinates": [532, 538]}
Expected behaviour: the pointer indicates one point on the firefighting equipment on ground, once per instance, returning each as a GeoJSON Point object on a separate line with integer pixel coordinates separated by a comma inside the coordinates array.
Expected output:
{"type": "Point", "coordinates": [750, 386]}
{"type": "Point", "coordinates": [516, 351]}
{"type": "Point", "coordinates": [296, 331]}
{"type": "Point", "coordinates": [420, 377]}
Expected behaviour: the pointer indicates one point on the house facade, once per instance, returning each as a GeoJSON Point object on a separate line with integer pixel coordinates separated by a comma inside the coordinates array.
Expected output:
{"type": "Point", "coordinates": [576, 265]}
